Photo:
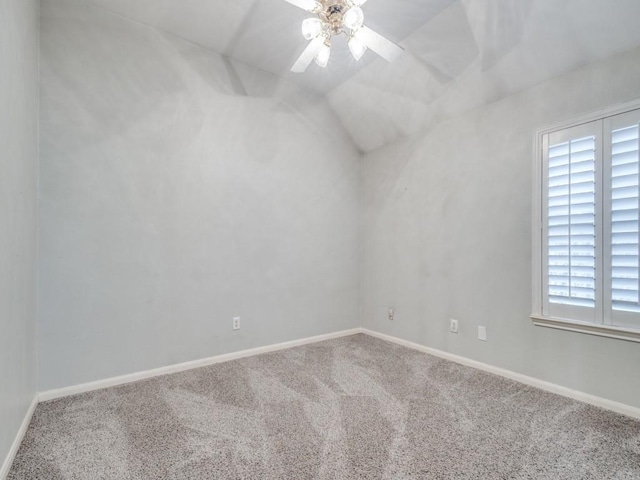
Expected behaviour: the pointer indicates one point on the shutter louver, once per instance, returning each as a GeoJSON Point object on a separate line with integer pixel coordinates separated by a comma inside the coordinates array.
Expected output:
{"type": "Point", "coordinates": [625, 219]}
{"type": "Point", "coordinates": [571, 222]}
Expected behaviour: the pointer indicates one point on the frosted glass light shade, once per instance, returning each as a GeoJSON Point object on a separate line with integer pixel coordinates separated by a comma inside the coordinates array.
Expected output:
{"type": "Point", "coordinates": [357, 48]}
{"type": "Point", "coordinates": [311, 28]}
{"type": "Point", "coordinates": [358, 3]}
{"type": "Point", "coordinates": [322, 58]}
{"type": "Point", "coordinates": [354, 18]}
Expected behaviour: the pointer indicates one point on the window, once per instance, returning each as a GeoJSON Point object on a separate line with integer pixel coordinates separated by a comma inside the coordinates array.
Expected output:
{"type": "Point", "coordinates": [587, 226]}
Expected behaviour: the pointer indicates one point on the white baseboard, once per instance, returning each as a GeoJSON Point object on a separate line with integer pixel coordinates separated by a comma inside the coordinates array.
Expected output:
{"type": "Point", "coordinates": [8, 461]}
{"type": "Point", "coordinates": [518, 377]}
{"type": "Point", "coordinates": [181, 367]}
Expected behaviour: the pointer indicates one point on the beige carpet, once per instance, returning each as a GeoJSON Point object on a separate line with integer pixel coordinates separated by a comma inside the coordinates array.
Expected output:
{"type": "Point", "coordinates": [352, 408]}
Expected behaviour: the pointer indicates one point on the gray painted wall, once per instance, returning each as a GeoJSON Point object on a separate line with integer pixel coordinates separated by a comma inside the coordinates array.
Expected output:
{"type": "Point", "coordinates": [447, 234]}
{"type": "Point", "coordinates": [18, 219]}
{"type": "Point", "coordinates": [179, 189]}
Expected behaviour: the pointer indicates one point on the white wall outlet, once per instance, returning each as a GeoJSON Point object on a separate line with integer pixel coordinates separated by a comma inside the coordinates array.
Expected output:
{"type": "Point", "coordinates": [236, 323]}
{"type": "Point", "coordinates": [454, 326]}
{"type": "Point", "coordinates": [482, 333]}
{"type": "Point", "coordinates": [392, 314]}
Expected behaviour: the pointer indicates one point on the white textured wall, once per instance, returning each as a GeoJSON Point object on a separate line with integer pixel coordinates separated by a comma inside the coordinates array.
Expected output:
{"type": "Point", "coordinates": [447, 234]}
{"type": "Point", "coordinates": [178, 190]}
{"type": "Point", "coordinates": [18, 218]}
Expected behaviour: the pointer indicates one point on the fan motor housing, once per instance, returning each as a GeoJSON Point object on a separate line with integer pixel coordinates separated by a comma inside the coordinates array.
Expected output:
{"type": "Point", "coordinates": [333, 13]}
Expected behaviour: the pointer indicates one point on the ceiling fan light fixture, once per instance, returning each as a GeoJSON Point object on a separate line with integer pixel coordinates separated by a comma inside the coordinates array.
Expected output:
{"type": "Point", "coordinates": [357, 48]}
{"type": "Point", "coordinates": [354, 18]}
{"type": "Point", "coordinates": [338, 17]}
{"type": "Point", "coordinates": [322, 58]}
{"type": "Point", "coordinates": [311, 28]}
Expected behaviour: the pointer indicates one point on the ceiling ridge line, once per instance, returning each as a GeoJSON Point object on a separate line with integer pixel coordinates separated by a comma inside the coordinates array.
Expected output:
{"type": "Point", "coordinates": [321, 95]}
{"type": "Point", "coordinates": [223, 55]}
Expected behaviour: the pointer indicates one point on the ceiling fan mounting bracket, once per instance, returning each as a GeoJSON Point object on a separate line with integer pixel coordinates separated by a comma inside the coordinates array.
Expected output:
{"type": "Point", "coordinates": [334, 10]}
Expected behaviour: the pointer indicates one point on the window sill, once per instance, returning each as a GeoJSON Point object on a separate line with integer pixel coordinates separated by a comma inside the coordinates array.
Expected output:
{"type": "Point", "coordinates": [588, 328]}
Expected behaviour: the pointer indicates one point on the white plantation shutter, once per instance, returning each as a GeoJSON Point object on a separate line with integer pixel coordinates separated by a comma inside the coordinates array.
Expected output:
{"type": "Point", "coordinates": [570, 231]}
{"type": "Point", "coordinates": [587, 247]}
{"type": "Point", "coordinates": [571, 223]}
{"type": "Point", "coordinates": [624, 220]}
{"type": "Point", "coordinates": [622, 153]}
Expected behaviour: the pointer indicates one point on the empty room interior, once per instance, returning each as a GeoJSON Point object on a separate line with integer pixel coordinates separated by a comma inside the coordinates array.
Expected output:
{"type": "Point", "coordinates": [333, 239]}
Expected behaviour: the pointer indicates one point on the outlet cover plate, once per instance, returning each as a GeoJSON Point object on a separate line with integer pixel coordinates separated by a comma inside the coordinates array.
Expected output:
{"type": "Point", "coordinates": [454, 326]}
{"type": "Point", "coordinates": [482, 333]}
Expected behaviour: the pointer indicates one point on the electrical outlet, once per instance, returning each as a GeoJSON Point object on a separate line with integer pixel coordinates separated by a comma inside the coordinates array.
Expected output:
{"type": "Point", "coordinates": [482, 333]}
{"type": "Point", "coordinates": [392, 314]}
{"type": "Point", "coordinates": [454, 326]}
{"type": "Point", "coordinates": [236, 323]}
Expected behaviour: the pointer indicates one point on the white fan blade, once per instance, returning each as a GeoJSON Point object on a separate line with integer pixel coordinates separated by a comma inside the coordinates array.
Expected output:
{"type": "Point", "coordinates": [308, 55]}
{"type": "Point", "coordinates": [308, 5]}
{"type": "Point", "coordinates": [376, 42]}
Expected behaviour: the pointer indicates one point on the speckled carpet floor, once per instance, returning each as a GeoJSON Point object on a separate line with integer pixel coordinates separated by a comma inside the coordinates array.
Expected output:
{"type": "Point", "coordinates": [351, 408]}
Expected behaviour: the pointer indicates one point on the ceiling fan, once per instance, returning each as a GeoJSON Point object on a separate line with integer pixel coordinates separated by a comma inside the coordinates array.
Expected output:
{"type": "Point", "coordinates": [335, 17]}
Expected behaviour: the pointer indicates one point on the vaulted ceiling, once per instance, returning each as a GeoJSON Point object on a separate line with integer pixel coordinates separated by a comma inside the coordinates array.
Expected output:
{"type": "Point", "coordinates": [459, 53]}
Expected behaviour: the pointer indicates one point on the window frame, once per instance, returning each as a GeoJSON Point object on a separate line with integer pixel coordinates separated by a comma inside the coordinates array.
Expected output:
{"type": "Point", "coordinates": [539, 302]}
